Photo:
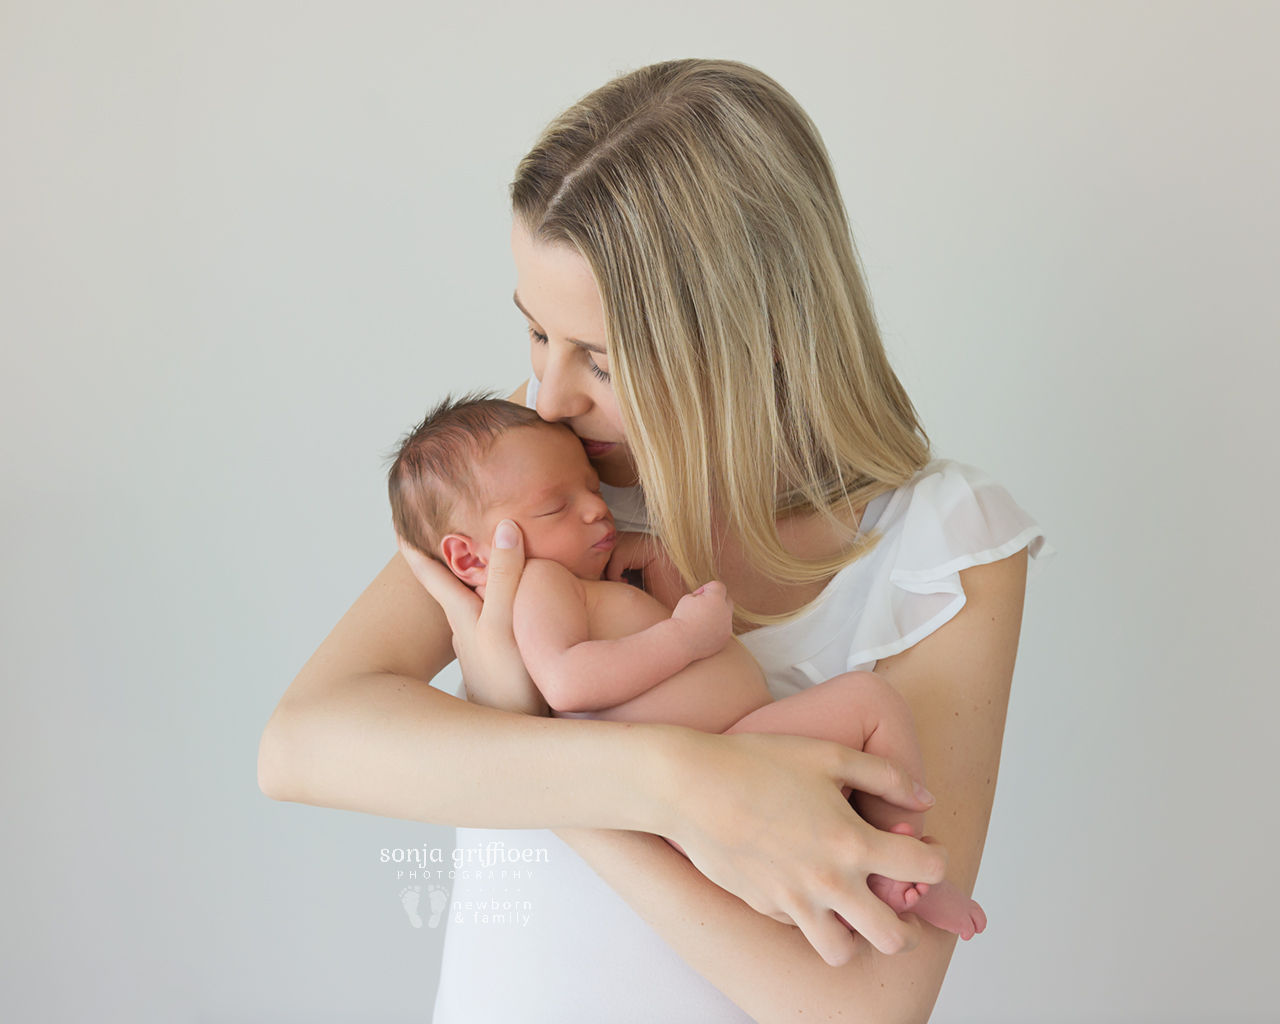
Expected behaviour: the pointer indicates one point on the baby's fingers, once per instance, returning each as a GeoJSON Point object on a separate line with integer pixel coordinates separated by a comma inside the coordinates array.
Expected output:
{"type": "Point", "coordinates": [631, 552]}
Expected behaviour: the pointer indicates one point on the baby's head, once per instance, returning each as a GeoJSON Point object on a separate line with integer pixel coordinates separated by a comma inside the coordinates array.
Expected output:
{"type": "Point", "coordinates": [476, 461]}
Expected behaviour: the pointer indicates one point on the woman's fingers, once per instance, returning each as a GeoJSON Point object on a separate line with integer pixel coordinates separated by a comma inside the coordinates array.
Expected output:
{"type": "Point", "coordinates": [459, 601]}
{"type": "Point", "coordinates": [832, 940]}
{"type": "Point", "coordinates": [876, 922]}
{"type": "Point", "coordinates": [502, 578]}
{"type": "Point", "coordinates": [905, 859]}
{"type": "Point", "coordinates": [886, 779]}
{"type": "Point", "coordinates": [829, 932]}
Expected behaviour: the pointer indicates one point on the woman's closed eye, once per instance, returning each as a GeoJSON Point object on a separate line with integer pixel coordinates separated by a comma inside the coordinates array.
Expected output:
{"type": "Point", "coordinates": [541, 339]}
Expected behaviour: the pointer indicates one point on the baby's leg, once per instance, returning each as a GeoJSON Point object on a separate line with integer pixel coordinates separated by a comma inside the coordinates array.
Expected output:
{"type": "Point", "coordinates": [862, 711]}
{"type": "Point", "coordinates": [858, 710]}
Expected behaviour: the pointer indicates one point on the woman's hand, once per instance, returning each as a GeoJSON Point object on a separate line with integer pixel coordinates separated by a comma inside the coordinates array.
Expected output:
{"type": "Point", "coordinates": [492, 668]}
{"type": "Point", "coordinates": [644, 552]}
{"type": "Point", "coordinates": [763, 816]}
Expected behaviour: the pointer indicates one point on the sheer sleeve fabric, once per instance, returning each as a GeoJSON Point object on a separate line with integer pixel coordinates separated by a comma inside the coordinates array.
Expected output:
{"type": "Point", "coordinates": [948, 518]}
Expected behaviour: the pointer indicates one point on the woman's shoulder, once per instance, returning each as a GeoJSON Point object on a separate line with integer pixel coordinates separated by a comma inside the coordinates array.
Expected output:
{"type": "Point", "coordinates": [951, 516]}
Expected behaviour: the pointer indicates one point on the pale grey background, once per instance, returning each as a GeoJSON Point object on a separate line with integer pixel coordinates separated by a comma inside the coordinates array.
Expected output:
{"type": "Point", "coordinates": [244, 244]}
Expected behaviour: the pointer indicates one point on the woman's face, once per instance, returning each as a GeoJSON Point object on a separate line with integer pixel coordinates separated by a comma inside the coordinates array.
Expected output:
{"type": "Point", "coordinates": [558, 297]}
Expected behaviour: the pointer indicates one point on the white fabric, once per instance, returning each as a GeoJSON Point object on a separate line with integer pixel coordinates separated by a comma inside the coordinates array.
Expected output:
{"type": "Point", "coordinates": [583, 955]}
{"type": "Point", "coordinates": [949, 518]}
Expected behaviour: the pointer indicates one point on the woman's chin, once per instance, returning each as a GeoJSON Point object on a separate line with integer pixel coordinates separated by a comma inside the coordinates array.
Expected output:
{"type": "Point", "coordinates": [616, 467]}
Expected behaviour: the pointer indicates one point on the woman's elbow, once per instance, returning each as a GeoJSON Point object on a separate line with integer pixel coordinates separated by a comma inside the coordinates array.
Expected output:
{"type": "Point", "coordinates": [276, 778]}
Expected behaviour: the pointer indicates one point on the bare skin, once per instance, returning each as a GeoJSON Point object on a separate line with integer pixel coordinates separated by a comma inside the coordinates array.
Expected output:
{"type": "Point", "coordinates": [604, 650]}
{"type": "Point", "coordinates": [761, 816]}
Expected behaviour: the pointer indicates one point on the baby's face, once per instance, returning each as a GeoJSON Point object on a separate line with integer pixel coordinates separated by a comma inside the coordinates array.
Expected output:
{"type": "Point", "coordinates": [540, 478]}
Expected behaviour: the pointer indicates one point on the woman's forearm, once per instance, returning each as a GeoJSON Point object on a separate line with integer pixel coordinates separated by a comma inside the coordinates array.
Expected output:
{"type": "Point", "coordinates": [767, 968]}
{"type": "Point", "coordinates": [396, 747]}
{"type": "Point", "coordinates": [361, 729]}
{"type": "Point", "coordinates": [957, 681]}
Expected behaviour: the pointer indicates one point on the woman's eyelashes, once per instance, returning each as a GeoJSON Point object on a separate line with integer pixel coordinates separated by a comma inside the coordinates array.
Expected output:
{"type": "Point", "coordinates": [541, 339]}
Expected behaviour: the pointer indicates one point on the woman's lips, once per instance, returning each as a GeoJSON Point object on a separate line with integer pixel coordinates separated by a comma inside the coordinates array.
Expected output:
{"type": "Point", "coordinates": [597, 448]}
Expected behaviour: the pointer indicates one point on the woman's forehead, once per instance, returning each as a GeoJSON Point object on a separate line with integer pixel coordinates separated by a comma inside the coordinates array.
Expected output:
{"type": "Point", "coordinates": [557, 291]}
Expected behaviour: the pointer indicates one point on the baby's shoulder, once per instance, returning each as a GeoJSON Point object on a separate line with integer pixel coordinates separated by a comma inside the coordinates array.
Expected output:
{"type": "Point", "coordinates": [543, 577]}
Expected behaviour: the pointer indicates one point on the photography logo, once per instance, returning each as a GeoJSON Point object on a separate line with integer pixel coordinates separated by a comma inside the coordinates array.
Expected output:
{"type": "Point", "coordinates": [491, 904]}
{"type": "Point", "coordinates": [437, 897]}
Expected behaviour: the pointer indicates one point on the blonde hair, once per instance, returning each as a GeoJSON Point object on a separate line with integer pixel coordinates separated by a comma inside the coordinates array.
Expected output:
{"type": "Point", "coordinates": [745, 355]}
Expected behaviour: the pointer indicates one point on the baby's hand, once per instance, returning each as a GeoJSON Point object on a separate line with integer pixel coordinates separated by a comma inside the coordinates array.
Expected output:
{"type": "Point", "coordinates": [707, 618]}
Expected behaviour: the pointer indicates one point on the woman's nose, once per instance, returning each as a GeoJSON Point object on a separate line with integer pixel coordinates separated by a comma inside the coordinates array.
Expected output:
{"type": "Point", "coordinates": [560, 393]}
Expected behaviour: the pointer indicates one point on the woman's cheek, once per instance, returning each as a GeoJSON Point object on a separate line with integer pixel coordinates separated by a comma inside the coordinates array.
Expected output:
{"type": "Point", "coordinates": [538, 358]}
{"type": "Point", "coordinates": [608, 404]}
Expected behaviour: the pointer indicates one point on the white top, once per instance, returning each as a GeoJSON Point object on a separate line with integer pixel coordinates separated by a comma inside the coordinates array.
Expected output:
{"type": "Point", "coordinates": [545, 940]}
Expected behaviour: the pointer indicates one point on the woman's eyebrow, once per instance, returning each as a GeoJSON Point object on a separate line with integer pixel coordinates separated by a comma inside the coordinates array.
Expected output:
{"type": "Point", "coordinates": [589, 346]}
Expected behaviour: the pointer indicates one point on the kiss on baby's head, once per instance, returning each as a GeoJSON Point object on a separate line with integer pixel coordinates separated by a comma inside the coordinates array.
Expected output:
{"type": "Point", "coordinates": [477, 460]}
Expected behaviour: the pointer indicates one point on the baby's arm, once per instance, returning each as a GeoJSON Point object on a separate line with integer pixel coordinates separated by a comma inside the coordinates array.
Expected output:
{"type": "Point", "coordinates": [577, 674]}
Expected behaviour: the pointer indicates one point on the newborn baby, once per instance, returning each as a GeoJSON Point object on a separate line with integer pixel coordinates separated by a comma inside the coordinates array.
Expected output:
{"type": "Point", "coordinates": [607, 650]}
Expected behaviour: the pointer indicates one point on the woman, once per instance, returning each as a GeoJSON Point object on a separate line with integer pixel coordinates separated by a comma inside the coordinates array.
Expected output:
{"type": "Point", "coordinates": [698, 318]}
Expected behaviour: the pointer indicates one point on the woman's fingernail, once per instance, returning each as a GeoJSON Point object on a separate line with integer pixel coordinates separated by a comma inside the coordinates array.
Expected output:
{"type": "Point", "coordinates": [922, 794]}
{"type": "Point", "coordinates": [505, 536]}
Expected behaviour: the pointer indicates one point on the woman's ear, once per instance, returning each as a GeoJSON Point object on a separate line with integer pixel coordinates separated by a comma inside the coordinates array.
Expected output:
{"type": "Point", "coordinates": [459, 554]}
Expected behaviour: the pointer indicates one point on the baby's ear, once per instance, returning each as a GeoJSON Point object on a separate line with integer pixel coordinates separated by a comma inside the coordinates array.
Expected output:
{"type": "Point", "coordinates": [459, 554]}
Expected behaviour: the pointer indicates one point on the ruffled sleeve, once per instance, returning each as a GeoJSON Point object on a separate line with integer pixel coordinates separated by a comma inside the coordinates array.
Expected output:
{"type": "Point", "coordinates": [950, 518]}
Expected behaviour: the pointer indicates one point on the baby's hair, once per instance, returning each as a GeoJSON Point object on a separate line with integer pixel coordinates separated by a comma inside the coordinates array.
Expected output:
{"type": "Point", "coordinates": [432, 473]}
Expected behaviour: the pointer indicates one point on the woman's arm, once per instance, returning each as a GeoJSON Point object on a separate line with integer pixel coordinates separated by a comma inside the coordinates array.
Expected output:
{"type": "Point", "coordinates": [361, 729]}
{"type": "Point", "coordinates": [957, 683]}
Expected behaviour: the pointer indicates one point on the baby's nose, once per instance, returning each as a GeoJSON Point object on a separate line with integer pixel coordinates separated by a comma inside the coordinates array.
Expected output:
{"type": "Point", "coordinates": [595, 508]}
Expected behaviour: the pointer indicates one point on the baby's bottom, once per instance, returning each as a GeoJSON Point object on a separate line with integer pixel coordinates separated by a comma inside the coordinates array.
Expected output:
{"type": "Point", "coordinates": [862, 711]}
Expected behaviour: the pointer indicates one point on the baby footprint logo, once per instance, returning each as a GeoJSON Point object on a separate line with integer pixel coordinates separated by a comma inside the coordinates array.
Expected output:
{"type": "Point", "coordinates": [409, 896]}
{"type": "Point", "coordinates": [439, 897]}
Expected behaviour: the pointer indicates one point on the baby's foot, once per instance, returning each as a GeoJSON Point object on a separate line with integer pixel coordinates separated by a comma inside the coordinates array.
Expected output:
{"type": "Point", "coordinates": [942, 905]}
{"type": "Point", "coordinates": [946, 907]}
{"type": "Point", "coordinates": [901, 896]}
